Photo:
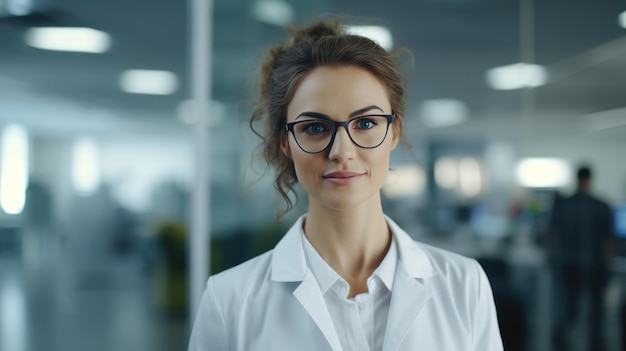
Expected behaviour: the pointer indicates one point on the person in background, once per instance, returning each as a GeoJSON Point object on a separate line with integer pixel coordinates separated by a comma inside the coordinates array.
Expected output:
{"type": "Point", "coordinates": [580, 249]}
{"type": "Point", "coordinates": [345, 276]}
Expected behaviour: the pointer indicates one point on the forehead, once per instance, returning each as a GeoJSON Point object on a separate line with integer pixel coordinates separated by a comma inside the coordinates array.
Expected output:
{"type": "Point", "coordinates": [338, 91]}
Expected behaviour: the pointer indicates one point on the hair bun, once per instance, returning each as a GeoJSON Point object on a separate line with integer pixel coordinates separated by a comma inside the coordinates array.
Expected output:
{"type": "Point", "coordinates": [313, 32]}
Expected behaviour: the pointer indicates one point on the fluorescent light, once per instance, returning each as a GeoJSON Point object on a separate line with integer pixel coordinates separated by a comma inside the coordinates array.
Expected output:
{"type": "Point", "coordinates": [148, 82]}
{"type": "Point", "coordinates": [446, 173]}
{"type": "Point", "coordinates": [404, 181]}
{"type": "Point", "coordinates": [85, 166]}
{"type": "Point", "coordinates": [622, 19]}
{"type": "Point", "coordinates": [470, 177]}
{"type": "Point", "coordinates": [380, 35]}
{"type": "Point", "coordinates": [68, 39]}
{"type": "Point", "coordinates": [543, 172]}
{"type": "Point", "coordinates": [443, 112]}
{"type": "Point", "coordinates": [13, 169]}
{"type": "Point", "coordinates": [276, 12]}
{"type": "Point", "coordinates": [516, 76]}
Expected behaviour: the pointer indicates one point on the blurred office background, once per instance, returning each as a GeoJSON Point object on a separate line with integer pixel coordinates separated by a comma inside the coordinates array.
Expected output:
{"type": "Point", "coordinates": [505, 99]}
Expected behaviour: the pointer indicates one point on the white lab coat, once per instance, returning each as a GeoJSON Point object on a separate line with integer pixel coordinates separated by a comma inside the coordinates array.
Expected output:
{"type": "Point", "coordinates": [440, 301]}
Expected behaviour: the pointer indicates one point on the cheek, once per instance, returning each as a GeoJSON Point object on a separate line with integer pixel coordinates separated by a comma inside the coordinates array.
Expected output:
{"type": "Point", "coordinates": [380, 163]}
{"type": "Point", "coordinates": [308, 168]}
{"type": "Point", "coordinates": [302, 160]}
{"type": "Point", "coordinates": [383, 155]}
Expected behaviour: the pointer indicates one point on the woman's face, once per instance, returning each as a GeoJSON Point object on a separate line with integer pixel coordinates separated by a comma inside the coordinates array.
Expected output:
{"type": "Point", "coordinates": [344, 176]}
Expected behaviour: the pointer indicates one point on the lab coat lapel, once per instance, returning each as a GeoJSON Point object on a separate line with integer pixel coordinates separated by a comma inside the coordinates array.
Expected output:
{"type": "Point", "coordinates": [410, 292]}
{"type": "Point", "coordinates": [408, 298]}
{"type": "Point", "coordinates": [310, 296]}
{"type": "Point", "coordinates": [289, 265]}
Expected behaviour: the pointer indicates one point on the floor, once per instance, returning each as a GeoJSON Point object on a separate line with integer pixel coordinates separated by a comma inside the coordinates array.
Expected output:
{"type": "Point", "coordinates": [52, 301]}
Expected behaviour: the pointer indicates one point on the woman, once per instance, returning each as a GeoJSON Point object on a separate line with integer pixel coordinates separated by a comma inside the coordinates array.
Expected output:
{"type": "Point", "coordinates": [344, 277]}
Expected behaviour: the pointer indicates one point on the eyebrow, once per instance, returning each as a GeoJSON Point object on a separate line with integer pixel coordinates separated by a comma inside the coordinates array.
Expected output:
{"type": "Point", "coordinates": [352, 114]}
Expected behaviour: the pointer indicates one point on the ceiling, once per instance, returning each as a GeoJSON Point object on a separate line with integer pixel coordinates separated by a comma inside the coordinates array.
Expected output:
{"type": "Point", "coordinates": [453, 43]}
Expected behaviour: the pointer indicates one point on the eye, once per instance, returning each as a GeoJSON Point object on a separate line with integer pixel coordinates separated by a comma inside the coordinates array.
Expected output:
{"type": "Point", "coordinates": [313, 128]}
{"type": "Point", "coordinates": [365, 123]}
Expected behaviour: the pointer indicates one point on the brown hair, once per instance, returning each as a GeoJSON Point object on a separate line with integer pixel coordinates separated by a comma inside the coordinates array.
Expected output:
{"type": "Point", "coordinates": [320, 44]}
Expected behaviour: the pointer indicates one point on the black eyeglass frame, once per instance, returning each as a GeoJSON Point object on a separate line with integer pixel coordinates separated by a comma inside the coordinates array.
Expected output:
{"type": "Point", "coordinates": [335, 125]}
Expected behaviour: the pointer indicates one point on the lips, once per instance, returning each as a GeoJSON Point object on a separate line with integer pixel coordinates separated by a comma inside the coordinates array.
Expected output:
{"type": "Point", "coordinates": [342, 177]}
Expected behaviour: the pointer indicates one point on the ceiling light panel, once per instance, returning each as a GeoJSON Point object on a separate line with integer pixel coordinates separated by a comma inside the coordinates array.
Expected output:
{"type": "Point", "coordinates": [149, 82]}
{"type": "Point", "coordinates": [73, 39]}
{"type": "Point", "coordinates": [276, 12]}
{"type": "Point", "coordinates": [516, 76]}
{"type": "Point", "coordinates": [443, 112]}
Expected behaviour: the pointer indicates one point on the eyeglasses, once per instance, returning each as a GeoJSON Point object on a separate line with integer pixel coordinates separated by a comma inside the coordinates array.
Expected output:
{"type": "Point", "coordinates": [316, 135]}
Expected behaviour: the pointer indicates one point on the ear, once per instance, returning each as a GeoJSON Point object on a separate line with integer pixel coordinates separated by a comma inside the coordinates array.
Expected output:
{"type": "Point", "coordinates": [285, 147]}
{"type": "Point", "coordinates": [395, 134]}
{"type": "Point", "coordinates": [395, 139]}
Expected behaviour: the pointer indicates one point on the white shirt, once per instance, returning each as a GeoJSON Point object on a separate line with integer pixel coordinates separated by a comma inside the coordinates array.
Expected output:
{"type": "Point", "coordinates": [360, 322]}
{"type": "Point", "coordinates": [441, 301]}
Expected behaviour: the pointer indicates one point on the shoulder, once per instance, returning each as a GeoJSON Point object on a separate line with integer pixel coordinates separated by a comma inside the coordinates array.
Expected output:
{"type": "Point", "coordinates": [449, 264]}
{"type": "Point", "coordinates": [439, 255]}
{"type": "Point", "coordinates": [600, 205]}
{"type": "Point", "coordinates": [457, 283]}
{"type": "Point", "coordinates": [228, 295]}
{"type": "Point", "coordinates": [239, 280]}
{"type": "Point", "coordinates": [247, 269]}
{"type": "Point", "coordinates": [422, 260]}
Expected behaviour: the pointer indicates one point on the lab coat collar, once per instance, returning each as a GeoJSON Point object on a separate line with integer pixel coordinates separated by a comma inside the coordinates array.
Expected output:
{"type": "Point", "coordinates": [289, 263]}
{"type": "Point", "coordinates": [412, 256]}
{"type": "Point", "coordinates": [288, 260]}
{"type": "Point", "coordinates": [410, 294]}
{"type": "Point", "coordinates": [410, 291]}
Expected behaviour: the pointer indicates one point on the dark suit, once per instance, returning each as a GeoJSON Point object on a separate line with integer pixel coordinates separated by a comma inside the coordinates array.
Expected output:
{"type": "Point", "coordinates": [581, 230]}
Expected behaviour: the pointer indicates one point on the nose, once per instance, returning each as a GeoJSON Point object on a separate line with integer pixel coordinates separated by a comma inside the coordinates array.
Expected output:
{"type": "Point", "coordinates": [342, 148]}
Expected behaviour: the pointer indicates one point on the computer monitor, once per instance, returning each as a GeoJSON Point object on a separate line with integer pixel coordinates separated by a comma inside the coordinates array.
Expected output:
{"type": "Point", "coordinates": [620, 220]}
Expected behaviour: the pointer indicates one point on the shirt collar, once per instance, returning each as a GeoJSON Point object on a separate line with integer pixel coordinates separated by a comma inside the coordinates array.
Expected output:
{"type": "Point", "coordinates": [386, 271]}
{"type": "Point", "coordinates": [322, 271]}
{"type": "Point", "coordinates": [326, 276]}
{"type": "Point", "coordinates": [289, 261]}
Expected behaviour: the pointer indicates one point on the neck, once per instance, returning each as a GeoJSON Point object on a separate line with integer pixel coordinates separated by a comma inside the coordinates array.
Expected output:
{"type": "Point", "coordinates": [584, 187]}
{"type": "Point", "coordinates": [353, 242]}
